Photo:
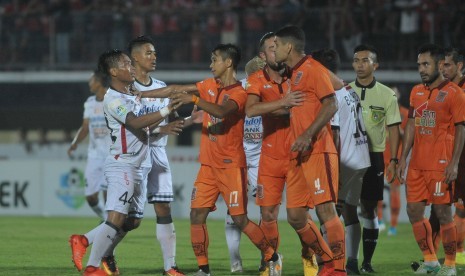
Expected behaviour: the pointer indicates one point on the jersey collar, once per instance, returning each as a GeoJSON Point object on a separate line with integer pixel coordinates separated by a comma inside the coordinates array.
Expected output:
{"type": "Point", "coordinates": [370, 85]}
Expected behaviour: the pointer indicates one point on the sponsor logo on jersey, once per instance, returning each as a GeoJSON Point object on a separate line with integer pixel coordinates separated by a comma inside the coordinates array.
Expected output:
{"type": "Point", "coordinates": [267, 86]}
{"type": "Point", "coordinates": [441, 96]}
{"type": "Point", "coordinates": [420, 93]}
{"type": "Point", "coordinates": [121, 111]}
{"type": "Point", "coordinates": [428, 119]}
{"type": "Point", "coordinates": [71, 190]}
{"type": "Point", "coordinates": [211, 93]}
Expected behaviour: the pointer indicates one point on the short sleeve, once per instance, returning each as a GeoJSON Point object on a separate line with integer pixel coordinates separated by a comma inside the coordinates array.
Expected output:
{"type": "Point", "coordinates": [253, 85]}
{"type": "Point", "coordinates": [458, 107]}
{"type": "Point", "coordinates": [204, 86]}
{"type": "Point", "coordinates": [392, 111]}
{"type": "Point", "coordinates": [118, 110]}
{"type": "Point", "coordinates": [87, 110]}
{"type": "Point", "coordinates": [323, 86]}
{"type": "Point", "coordinates": [239, 97]}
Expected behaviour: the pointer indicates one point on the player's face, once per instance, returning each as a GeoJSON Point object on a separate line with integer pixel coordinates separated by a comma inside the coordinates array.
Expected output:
{"type": "Point", "coordinates": [218, 66]}
{"type": "Point", "coordinates": [126, 72]}
{"type": "Point", "coordinates": [427, 68]}
{"type": "Point", "coordinates": [269, 53]}
{"type": "Point", "coordinates": [145, 57]}
{"type": "Point", "coordinates": [363, 64]}
{"type": "Point", "coordinates": [449, 70]}
{"type": "Point", "coordinates": [282, 50]}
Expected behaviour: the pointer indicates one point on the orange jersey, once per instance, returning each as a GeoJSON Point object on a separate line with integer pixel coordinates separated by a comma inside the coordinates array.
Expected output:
{"type": "Point", "coordinates": [276, 129]}
{"type": "Point", "coordinates": [221, 143]}
{"type": "Point", "coordinates": [312, 79]}
{"type": "Point", "coordinates": [435, 112]}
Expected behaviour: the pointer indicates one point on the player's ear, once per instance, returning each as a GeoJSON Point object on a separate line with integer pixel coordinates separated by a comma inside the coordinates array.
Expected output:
{"type": "Point", "coordinates": [228, 62]}
{"type": "Point", "coordinates": [113, 71]}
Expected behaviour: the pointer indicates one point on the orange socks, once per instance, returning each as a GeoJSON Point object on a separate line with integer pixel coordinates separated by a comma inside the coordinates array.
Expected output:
{"type": "Point", "coordinates": [460, 225]}
{"type": "Point", "coordinates": [270, 229]}
{"type": "Point", "coordinates": [199, 240]}
{"type": "Point", "coordinates": [449, 242]}
{"type": "Point", "coordinates": [257, 237]}
{"type": "Point", "coordinates": [336, 241]}
{"type": "Point", "coordinates": [310, 236]}
{"type": "Point", "coordinates": [422, 232]}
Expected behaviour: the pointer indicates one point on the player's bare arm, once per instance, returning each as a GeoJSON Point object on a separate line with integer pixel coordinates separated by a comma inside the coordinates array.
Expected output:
{"type": "Point", "coordinates": [254, 107]}
{"type": "Point", "coordinates": [219, 111]}
{"type": "Point", "coordinates": [452, 168]}
{"type": "Point", "coordinates": [409, 134]}
{"type": "Point", "coordinates": [327, 111]}
{"type": "Point", "coordinates": [394, 136]}
{"type": "Point", "coordinates": [146, 120]}
{"type": "Point", "coordinates": [81, 134]}
{"type": "Point", "coordinates": [195, 118]}
{"type": "Point", "coordinates": [166, 92]}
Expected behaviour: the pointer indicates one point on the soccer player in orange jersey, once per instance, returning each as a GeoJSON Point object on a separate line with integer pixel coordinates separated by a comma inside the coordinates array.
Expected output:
{"type": "Point", "coordinates": [222, 157]}
{"type": "Point", "coordinates": [452, 71]}
{"type": "Point", "coordinates": [435, 132]}
{"type": "Point", "coordinates": [312, 179]}
{"type": "Point", "coordinates": [269, 97]}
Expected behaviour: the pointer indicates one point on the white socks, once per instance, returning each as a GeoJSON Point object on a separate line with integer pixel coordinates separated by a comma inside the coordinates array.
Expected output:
{"type": "Point", "coordinates": [166, 235]}
{"type": "Point", "coordinates": [102, 241]}
{"type": "Point", "coordinates": [353, 237]}
{"type": "Point", "coordinates": [233, 239]}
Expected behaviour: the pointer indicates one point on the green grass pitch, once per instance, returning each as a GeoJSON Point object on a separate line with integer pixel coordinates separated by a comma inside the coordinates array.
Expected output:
{"type": "Point", "coordinates": [39, 246]}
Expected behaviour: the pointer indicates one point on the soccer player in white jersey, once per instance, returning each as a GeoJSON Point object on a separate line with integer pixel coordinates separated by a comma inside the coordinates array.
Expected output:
{"type": "Point", "coordinates": [128, 163]}
{"type": "Point", "coordinates": [253, 134]}
{"type": "Point", "coordinates": [351, 140]}
{"type": "Point", "coordinates": [159, 181]}
{"type": "Point", "coordinates": [94, 126]}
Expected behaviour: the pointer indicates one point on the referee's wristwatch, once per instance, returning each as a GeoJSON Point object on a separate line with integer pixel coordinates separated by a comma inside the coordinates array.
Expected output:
{"type": "Point", "coordinates": [396, 160]}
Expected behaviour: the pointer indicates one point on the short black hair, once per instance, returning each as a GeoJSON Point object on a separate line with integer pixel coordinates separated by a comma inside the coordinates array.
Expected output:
{"type": "Point", "coordinates": [436, 52]}
{"type": "Point", "coordinates": [456, 54]}
{"type": "Point", "coordinates": [262, 40]}
{"type": "Point", "coordinates": [294, 35]}
{"type": "Point", "coordinates": [369, 48]}
{"type": "Point", "coordinates": [107, 61]}
{"type": "Point", "coordinates": [101, 78]}
{"type": "Point", "coordinates": [138, 41]}
{"type": "Point", "coordinates": [329, 58]}
{"type": "Point", "coordinates": [229, 51]}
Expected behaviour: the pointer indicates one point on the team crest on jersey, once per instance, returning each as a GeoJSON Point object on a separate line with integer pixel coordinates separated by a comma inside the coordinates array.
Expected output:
{"type": "Point", "coordinates": [377, 114]}
{"type": "Point", "coordinates": [211, 93]}
{"type": "Point", "coordinates": [121, 110]}
{"type": "Point", "coordinates": [441, 96]}
{"type": "Point", "coordinates": [298, 77]}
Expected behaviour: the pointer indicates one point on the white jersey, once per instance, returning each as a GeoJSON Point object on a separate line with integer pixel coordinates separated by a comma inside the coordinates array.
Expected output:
{"type": "Point", "coordinates": [353, 137]}
{"type": "Point", "coordinates": [126, 147]}
{"type": "Point", "coordinates": [253, 135]}
{"type": "Point", "coordinates": [150, 105]}
{"type": "Point", "coordinates": [99, 134]}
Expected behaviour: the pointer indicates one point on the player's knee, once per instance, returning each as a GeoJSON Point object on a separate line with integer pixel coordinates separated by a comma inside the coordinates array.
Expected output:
{"type": "Point", "coordinates": [131, 224]}
{"type": "Point", "coordinates": [162, 209]}
{"type": "Point", "coordinates": [92, 200]}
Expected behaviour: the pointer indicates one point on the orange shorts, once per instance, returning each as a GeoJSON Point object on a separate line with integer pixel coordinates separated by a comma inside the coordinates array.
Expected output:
{"type": "Point", "coordinates": [428, 185]}
{"type": "Point", "coordinates": [271, 179]}
{"type": "Point", "coordinates": [314, 180]}
{"type": "Point", "coordinates": [231, 183]}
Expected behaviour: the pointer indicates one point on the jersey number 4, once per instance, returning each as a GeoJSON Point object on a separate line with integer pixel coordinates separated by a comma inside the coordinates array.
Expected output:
{"type": "Point", "coordinates": [124, 198]}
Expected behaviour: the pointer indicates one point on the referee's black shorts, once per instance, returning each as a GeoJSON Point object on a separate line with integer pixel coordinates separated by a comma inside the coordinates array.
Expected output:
{"type": "Point", "coordinates": [373, 180]}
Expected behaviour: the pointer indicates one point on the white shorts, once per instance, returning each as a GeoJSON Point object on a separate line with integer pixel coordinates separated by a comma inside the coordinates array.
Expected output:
{"type": "Point", "coordinates": [252, 172]}
{"type": "Point", "coordinates": [351, 184]}
{"type": "Point", "coordinates": [125, 188]}
{"type": "Point", "coordinates": [159, 182]}
{"type": "Point", "coordinates": [95, 179]}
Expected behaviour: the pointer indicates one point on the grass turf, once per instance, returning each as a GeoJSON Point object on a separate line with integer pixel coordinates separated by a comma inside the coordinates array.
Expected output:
{"type": "Point", "coordinates": [39, 246]}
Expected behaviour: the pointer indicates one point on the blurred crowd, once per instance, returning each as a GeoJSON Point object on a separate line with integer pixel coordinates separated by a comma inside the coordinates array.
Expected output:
{"type": "Point", "coordinates": [70, 34]}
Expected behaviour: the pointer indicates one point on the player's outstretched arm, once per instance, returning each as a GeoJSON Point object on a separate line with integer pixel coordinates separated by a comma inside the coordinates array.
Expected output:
{"type": "Point", "coordinates": [81, 134]}
{"type": "Point", "coordinates": [254, 107]}
{"type": "Point", "coordinates": [167, 91]}
{"type": "Point", "coordinates": [219, 111]}
{"type": "Point", "coordinates": [147, 120]}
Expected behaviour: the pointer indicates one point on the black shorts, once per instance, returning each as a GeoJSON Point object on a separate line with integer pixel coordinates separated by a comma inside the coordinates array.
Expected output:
{"type": "Point", "coordinates": [373, 180]}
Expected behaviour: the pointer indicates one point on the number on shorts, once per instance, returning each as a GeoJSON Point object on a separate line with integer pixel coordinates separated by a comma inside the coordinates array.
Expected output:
{"type": "Point", "coordinates": [124, 198]}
